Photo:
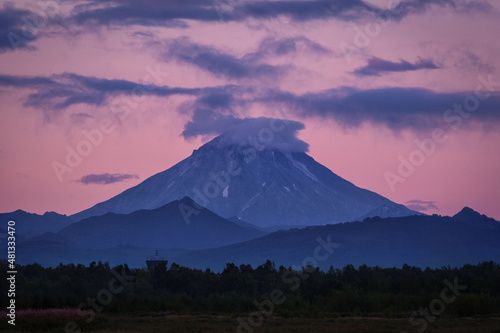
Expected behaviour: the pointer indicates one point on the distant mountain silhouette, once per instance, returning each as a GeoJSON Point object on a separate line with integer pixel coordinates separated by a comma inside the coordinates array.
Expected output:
{"type": "Point", "coordinates": [164, 227]}
{"type": "Point", "coordinates": [424, 241]}
{"type": "Point", "coordinates": [395, 210]}
{"type": "Point", "coordinates": [469, 215]}
{"type": "Point", "coordinates": [30, 225]}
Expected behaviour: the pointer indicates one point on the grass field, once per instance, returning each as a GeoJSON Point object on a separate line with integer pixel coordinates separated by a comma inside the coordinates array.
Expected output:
{"type": "Point", "coordinates": [56, 322]}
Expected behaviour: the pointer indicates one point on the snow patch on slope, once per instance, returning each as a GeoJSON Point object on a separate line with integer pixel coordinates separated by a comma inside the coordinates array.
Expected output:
{"type": "Point", "coordinates": [301, 167]}
{"type": "Point", "coordinates": [249, 202]}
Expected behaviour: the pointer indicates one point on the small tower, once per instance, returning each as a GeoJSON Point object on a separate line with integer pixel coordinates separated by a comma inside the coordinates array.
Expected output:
{"type": "Point", "coordinates": [152, 262]}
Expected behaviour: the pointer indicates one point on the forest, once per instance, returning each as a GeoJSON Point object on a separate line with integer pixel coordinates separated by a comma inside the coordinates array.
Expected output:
{"type": "Point", "coordinates": [470, 290]}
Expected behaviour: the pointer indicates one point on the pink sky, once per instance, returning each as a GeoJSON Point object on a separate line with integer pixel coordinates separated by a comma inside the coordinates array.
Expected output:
{"type": "Point", "coordinates": [305, 52]}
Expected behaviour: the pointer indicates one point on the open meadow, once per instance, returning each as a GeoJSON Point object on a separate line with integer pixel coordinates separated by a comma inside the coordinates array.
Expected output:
{"type": "Point", "coordinates": [56, 321]}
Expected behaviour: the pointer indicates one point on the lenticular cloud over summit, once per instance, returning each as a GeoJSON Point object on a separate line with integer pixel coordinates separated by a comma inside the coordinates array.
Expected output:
{"type": "Point", "coordinates": [271, 133]}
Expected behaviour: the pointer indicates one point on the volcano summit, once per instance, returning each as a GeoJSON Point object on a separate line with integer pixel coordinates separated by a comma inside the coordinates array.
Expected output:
{"type": "Point", "coordinates": [259, 172]}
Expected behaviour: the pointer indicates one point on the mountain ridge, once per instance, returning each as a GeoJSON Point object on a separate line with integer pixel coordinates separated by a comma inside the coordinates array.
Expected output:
{"type": "Point", "coordinates": [419, 240]}
{"type": "Point", "coordinates": [31, 224]}
{"type": "Point", "coordinates": [167, 226]}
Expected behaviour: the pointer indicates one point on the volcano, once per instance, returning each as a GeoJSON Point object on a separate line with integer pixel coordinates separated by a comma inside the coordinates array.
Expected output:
{"type": "Point", "coordinates": [265, 179]}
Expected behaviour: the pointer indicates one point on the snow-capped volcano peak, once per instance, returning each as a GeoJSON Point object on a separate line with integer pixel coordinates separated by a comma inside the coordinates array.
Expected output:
{"type": "Point", "coordinates": [226, 175]}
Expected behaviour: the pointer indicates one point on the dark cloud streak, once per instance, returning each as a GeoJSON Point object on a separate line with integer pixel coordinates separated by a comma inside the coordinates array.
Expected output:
{"type": "Point", "coordinates": [13, 32]}
{"type": "Point", "coordinates": [408, 7]}
{"type": "Point", "coordinates": [307, 10]}
{"type": "Point", "coordinates": [421, 206]}
{"type": "Point", "coordinates": [219, 63]}
{"type": "Point", "coordinates": [106, 178]}
{"type": "Point", "coordinates": [176, 13]}
{"type": "Point", "coordinates": [58, 92]}
{"type": "Point", "coordinates": [377, 66]}
{"type": "Point", "coordinates": [250, 66]}
{"type": "Point", "coordinates": [273, 47]}
{"type": "Point", "coordinates": [396, 108]}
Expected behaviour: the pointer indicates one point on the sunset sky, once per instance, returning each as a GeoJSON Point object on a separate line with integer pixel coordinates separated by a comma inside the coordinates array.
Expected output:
{"type": "Point", "coordinates": [398, 97]}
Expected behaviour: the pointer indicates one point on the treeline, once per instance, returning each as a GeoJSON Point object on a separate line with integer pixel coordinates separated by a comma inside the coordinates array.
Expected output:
{"type": "Point", "coordinates": [309, 292]}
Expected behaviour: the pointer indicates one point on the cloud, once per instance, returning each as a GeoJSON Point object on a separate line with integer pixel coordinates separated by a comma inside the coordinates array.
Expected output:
{"type": "Point", "coordinates": [307, 10]}
{"type": "Point", "coordinates": [106, 178]}
{"type": "Point", "coordinates": [421, 206]}
{"type": "Point", "coordinates": [420, 6]}
{"type": "Point", "coordinates": [475, 6]}
{"type": "Point", "coordinates": [208, 122]}
{"type": "Point", "coordinates": [177, 13]}
{"type": "Point", "coordinates": [56, 93]}
{"type": "Point", "coordinates": [249, 66]}
{"type": "Point", "coordinates": [217, 99]}
{"type": "Point", "coordinates": [395, 108]}
{"type": "Point", "coordinates": [150, 13]}
{"type": "Point", "coordinates": [16, 33]}
{"type": "Point", "coordinates": [60, 91]}
{"type": "Point", "coordinates": [13, 30]}
{"type": "Point", "coordinates": [218, 63]}
{"type": "Point", "coordinates": [463, 58]}
{"type": "Point", "coordinates": [377, 66]}
{"type": "Point", "coordinates": [269, 132]}
{"type": "Point", "coordinates": [80, 117]}
{"type": "Point", "coordinates": [271, 46]}
{"type": "Point", "coordinates": [351, 10]}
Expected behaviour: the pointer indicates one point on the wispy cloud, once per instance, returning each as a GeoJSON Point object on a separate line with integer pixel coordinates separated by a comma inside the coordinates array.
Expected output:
{"type": "Point", "coordinates": [85, 16]}
{"type": "Point", "coordinates": [56, 93]}
{"type": "Point", "coordinates": [409, 7]}
{"type": "Point", "coordinates": [219, 63]}
{"type": "Point", "coordinates": [106, 178]}
{"type": "Point", "coordinates": [306, 10]}
{"type": "Point", "coordinates": [253, 65]}
{"type": "Point", "coordinates": [278, 47]}
{"type": "Point", "coordinates": [395, 108]}
{"type": "Point", "coordinates": [60, 91]}
{"type": "Point", "coordinates": [421, 206]}
{"type": "Point", "coordinates": [377, 66]}
{"type": "Point", "coordinates": [13, 30]}
{"type": "Point", "coordinates": [178, 13]}
{"type": "Point", "coordinates": [463, 58]}
{"type": "Point", "coordinates": [150, 13]}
